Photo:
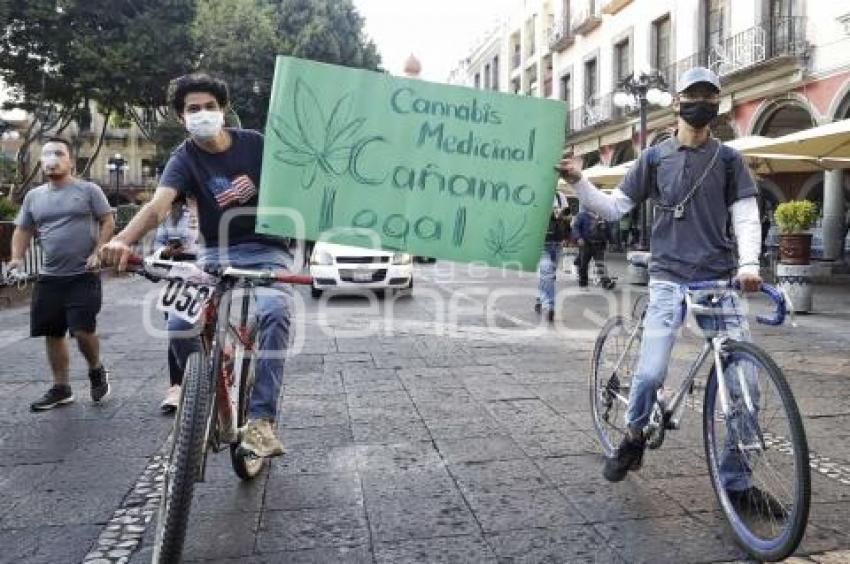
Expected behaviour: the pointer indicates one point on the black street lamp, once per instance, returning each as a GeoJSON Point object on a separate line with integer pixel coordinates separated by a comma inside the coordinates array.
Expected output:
{"type": "Point", "coordinates": [640, 92]}
{"type": "Point", "coordinates": [117, 165]}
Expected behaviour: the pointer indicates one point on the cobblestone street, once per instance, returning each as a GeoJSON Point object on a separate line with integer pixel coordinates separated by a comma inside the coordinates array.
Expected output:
{"type": "Point", "coordinates": [454, 428]}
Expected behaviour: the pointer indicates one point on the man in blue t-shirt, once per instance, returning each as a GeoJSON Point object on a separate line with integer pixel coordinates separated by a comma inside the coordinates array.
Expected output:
{"type": "Point", "coordinates": [220, 169]}
{"type": "Point", "coordinates": [696, 186]}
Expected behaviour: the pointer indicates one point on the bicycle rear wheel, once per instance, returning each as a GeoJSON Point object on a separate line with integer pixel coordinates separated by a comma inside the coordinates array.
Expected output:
{"type": "Point", "coordinates": [612, 367]}
{"type": "Point", "coordinates": [757, 456]}
{"type": "Point", "coordinates": [246, 465]}
{"type": "Point", "coordinates": [187, 446]}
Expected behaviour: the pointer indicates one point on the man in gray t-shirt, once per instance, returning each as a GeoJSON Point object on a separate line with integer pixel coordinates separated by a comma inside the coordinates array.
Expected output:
{"type": "Point", "coordinates": [698, 187]}
{"type": "Point", "coordinates": [72, 220]}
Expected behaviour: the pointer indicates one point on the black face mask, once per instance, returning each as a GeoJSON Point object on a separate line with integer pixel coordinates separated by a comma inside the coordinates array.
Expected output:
{"type": "Point", "coordinates": [698, 114]}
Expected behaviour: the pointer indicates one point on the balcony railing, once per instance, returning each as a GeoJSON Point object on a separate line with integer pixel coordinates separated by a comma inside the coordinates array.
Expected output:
{"type": "Point", "coordinates": [598, 110]}
{"type": "Point", "coordinates": [560, 36]}
{"type": "Point", "coordinates": [777, 38]}
{"type": "Point", "coordinates": [585, 21]}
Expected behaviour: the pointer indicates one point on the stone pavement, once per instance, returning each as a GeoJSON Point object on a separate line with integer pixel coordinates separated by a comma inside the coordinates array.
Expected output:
{"type": "Point", "coordinates": [456, 429]}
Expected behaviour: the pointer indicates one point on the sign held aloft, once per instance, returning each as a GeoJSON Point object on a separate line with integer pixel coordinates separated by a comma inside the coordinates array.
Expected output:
{"type": "Point", "coordinates": [433, 170]}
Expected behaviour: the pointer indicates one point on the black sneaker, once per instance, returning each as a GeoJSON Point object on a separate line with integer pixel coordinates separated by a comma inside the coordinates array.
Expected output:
{"type": "Point", "coordinates": [550, 315]}
{"type": "Point", "coordinates": [100, 388]}
{"type": "Point", "coordinates": [629, 457]}
{"type": "Point", "coordinates": [756, 502]}
{"type": "Point", "coordinates": [55, 396]}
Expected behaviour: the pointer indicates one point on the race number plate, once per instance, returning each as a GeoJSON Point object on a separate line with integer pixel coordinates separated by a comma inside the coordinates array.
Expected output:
{"type": "Point", "coordinates": [184, 299]}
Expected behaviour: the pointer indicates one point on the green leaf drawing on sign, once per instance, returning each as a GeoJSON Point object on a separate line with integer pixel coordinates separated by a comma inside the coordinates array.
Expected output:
{"type": "Point", "coordinates": [460, 227]}
{"type": "Point", "coordinates": [326, 212]}
{"type": "Point", "coordinates": [315, 143]}
{"type": "Point", "coordinates": [504, 241]}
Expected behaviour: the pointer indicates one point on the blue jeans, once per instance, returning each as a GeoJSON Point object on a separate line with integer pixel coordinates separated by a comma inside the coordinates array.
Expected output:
{"type": "Point", "coordinates": [549, 259]}
{"type": "Point", "coordinates": [273, 307]}
{"type": "Point", "coordinates": [664, 317]}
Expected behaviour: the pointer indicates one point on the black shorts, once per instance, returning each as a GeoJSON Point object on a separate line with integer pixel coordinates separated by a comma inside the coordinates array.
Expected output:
{"type": "Point", "coordinates": [60, 303]}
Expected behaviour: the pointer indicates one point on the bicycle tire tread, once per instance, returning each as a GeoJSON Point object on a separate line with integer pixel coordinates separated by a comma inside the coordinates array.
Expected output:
{"type": "Point", "coordinates": [798, 438]}
{"type": "Point", "coordinates": [188, 449]}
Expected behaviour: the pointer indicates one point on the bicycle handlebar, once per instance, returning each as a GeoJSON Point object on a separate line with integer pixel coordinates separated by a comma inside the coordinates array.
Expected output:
{"type": "Point", "coordinates": [775, 295]}
{"type": "Point", "coordinates": [284, 277]}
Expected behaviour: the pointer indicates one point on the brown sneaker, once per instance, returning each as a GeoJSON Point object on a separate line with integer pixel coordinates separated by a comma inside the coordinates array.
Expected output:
{"type": "Point", "coordinates": [259, 438]}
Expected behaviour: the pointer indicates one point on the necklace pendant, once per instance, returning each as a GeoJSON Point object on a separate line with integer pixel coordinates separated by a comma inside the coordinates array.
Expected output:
{"type": "Point", "coordinates": [679, 212]}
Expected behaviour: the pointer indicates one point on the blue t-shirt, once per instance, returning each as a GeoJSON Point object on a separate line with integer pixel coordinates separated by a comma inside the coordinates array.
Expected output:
{"type": "Point", "coordinates": [696, 246]}
{"type": "Point", "coordinates": [221, 182]}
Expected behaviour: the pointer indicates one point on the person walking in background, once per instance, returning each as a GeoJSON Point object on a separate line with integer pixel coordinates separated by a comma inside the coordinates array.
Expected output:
{"type": "Point", "coordinates": [591, 233]}
{"type": "Point", "coordinates": [72, 220]}
{"type": "Point", "coordinates": [556, 233]}
{"type": "Point", "coordinates": [176, 236]}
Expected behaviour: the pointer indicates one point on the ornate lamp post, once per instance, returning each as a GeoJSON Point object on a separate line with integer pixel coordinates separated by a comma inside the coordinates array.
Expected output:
{"type": "Point", "coordinates": [640, 92]}
{"type": "Point", "coordinates": [117, 164]}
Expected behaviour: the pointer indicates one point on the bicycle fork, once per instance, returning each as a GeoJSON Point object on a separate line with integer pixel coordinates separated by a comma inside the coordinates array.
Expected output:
{"type": "Point", "coordinates": [730, 413]}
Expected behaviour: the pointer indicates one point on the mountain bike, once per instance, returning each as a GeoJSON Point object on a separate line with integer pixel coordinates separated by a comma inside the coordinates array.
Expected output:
{"type": "Point", "coordinates": [752, 428]}
{"type": "Point", "coordinates": [217, 381]}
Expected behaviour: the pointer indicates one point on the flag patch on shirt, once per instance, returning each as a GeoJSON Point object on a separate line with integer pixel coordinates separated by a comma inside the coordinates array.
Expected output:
{"type": "Point", "coordinates": [240, 190]}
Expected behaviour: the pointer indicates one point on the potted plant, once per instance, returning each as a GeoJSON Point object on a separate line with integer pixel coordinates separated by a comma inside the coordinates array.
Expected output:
{"type": "Point", "coordinates": [8, 210]}
{"type": "Point", "coordinates": [793, 220]}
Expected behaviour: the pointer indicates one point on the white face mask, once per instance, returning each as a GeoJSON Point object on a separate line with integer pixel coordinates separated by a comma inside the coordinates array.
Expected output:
{"type": "Point", "coordinates": [50, 158]}
{"type": "Point", "coordinates": [204, 124]}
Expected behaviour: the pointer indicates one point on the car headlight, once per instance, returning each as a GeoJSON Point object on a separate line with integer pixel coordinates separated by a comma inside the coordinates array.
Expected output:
{"type": "Point", "coordinates": [322, 258]}
{"type": "Point", "coordinates": [401, 258]}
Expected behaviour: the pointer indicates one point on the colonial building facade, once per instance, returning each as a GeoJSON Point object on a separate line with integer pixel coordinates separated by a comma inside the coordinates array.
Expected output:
{"type": "Point", "coordinates": [784, 65]}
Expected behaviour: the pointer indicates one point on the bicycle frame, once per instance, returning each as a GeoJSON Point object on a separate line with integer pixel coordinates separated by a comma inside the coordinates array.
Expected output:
{"type": "Point", "coordinates": [222, 425]}
{"type": "Point", "coordinates": [672, 414]}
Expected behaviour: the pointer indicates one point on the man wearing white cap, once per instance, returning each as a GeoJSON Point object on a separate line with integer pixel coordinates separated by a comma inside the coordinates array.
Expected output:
{"type": "Point", "coordinates": [696, 184]}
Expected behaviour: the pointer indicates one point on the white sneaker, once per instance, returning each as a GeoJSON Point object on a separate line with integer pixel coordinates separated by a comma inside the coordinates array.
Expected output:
{"type": "Point", "coordinates": [172, 399]}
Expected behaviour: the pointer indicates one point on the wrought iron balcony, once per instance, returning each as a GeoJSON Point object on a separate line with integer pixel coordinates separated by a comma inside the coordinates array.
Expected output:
{"type": "Point", "coordinates": [774, 39]}
{"type": "Point", "coordinates": [585, 21]}
{"type": "Point", "coordinates": [561, 36]}
{"type": "Point", "coordinates": [598, 110]}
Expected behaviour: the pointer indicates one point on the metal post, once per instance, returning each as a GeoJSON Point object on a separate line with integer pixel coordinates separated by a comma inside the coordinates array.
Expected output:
{"type": "Point", "coordinates": [646, 213]}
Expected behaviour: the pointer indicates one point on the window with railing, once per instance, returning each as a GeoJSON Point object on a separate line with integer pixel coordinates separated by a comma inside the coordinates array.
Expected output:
{"type": "Point", "coordinates": [487, 76]}
{"type": "Point", "coordinates": [477, 80]}
{"type": "Point", "coordinates": [591, 79]}
{"type": "Point", "coordinates": [715, 21]}
{"type": "Point", "coordinates": [622, 67]}
{"type": "Point", "coordinates": [661, 47]}
{"type": "Point", "coordinates": [495, 80]}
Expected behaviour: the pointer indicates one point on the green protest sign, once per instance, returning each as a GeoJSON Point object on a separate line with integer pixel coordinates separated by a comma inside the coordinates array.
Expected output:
{"type": "Point", "coordinates": [434, 170]}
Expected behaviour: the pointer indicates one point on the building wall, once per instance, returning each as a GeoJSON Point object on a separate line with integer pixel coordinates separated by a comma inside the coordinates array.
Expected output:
{"type": "Point", "coordinates": [760, 81]}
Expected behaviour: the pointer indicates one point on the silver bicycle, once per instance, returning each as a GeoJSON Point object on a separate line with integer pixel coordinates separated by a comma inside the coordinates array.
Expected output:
{"type": "Point", "coordinates": [751, 424]}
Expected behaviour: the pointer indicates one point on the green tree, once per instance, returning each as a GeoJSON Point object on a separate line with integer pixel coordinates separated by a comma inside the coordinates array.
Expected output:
{"type": "Point", "coordinates": [120, 54]}
{"type": "Point", "coordinates": [239, 40]}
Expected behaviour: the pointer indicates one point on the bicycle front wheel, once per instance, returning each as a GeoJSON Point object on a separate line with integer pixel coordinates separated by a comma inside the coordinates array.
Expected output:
{"type": "Point", "coordinates": [187, 446]}
{"type": "Point", "coordinates": [757, 454]}
{"type": "Point", "coordinates": [612, 368]}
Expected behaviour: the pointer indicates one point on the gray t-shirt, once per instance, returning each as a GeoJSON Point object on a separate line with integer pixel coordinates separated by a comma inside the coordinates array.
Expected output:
{"type": "Point", "coordinates": [697, 246]}
{"type": "Point", "coordinates": [66, 223]}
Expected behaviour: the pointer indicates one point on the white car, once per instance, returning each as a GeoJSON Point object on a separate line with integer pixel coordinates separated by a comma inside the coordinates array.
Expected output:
{"type": "Point", "coordinates": [340, 268]}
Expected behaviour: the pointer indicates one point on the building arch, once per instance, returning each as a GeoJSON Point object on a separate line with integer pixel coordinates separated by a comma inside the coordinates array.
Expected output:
{"type": "Point", "coordinates": [779, 117]}
{"type": "Point", "coordinates": [840, 107]}
{"type": "Point", "coordinates": [623, 153]}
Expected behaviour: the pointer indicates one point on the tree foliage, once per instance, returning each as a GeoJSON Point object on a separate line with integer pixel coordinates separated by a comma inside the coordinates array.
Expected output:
{"type": "Point", "coordinates": [239, 40]}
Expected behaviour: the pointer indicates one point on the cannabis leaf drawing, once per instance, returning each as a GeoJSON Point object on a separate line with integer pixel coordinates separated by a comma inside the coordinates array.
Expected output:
{"type": "Point", "coordinates": [503, 241]}
{"type": "Point", "coordinates": [315, 142]}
